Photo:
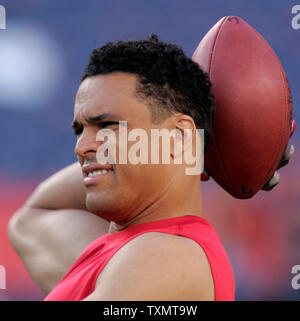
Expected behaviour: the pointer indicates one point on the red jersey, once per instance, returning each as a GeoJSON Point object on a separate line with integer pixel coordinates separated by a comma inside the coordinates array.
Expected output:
{"type": "Point", "coordinates": [80, 280]}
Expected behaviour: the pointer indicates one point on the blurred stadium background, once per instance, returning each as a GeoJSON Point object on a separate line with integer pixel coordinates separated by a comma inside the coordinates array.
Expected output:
{"type": "Point", "coordinates": [43, 53]}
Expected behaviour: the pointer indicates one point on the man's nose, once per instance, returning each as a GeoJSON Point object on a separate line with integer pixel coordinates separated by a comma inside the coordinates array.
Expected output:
{"type": "Point", "coordinates": [86, 144]}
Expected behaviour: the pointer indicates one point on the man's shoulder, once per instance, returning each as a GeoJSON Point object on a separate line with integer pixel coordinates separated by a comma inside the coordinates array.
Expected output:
{"type": "Point", "coordinates": [162, 242]}
{"type": "Point", "coordinates": [167, 249]}
{"type": "Point", "coordinates": [157, 266]}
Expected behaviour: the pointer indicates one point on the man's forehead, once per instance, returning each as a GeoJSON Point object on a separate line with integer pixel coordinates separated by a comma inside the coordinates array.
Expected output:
{"type": "Point", "coordinates": [104, 90]}
{"type": "Point", "coordinates": [112, 94]}
{"type": "Point", "coordinates": [122, 83]}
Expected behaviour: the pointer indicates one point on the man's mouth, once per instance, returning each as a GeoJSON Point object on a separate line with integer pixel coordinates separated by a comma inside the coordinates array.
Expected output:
{"type": "Point", "coordinates": [97, 173]}
{"type": "Point", "coordinates": [93, 173]}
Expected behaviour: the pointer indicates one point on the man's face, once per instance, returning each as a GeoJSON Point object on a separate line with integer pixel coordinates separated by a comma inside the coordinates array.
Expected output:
{"type": "Point", "coordinates": [121, 191]}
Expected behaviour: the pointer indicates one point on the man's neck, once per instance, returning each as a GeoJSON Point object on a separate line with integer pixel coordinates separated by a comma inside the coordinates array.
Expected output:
{"type": "Point", "coordinates": [188, 202]}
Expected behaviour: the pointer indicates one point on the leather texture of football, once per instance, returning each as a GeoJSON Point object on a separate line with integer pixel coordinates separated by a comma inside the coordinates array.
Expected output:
{"type": "Point", "coordinates": [253, 112]}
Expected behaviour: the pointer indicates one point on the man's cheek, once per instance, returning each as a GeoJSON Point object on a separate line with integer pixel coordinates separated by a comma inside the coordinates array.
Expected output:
{"type": "Point", "coordinates": [107, 151]}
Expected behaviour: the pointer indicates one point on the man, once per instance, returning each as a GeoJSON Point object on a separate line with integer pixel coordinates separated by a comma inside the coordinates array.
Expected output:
{"type": "Point", "coordinates": [114, 231]}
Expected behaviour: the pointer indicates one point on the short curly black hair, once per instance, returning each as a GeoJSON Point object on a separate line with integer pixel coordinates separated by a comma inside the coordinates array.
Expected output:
{"type": "Point", "coordinates": [168, 79]}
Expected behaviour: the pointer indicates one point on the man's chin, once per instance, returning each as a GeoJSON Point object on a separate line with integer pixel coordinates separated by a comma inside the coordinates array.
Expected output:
{"type": "Point", "coordinates": [99, 204]}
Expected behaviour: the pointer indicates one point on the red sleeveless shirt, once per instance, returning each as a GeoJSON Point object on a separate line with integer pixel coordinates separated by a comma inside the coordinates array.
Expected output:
{"type": "Point", "coordinates": [80, 280]}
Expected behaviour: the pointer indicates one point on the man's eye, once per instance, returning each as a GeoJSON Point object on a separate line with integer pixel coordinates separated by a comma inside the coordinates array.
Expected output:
{"type": "Point", "coordinates": [78, 131]}
{"type": "Point", "coordinates": [108, 123]}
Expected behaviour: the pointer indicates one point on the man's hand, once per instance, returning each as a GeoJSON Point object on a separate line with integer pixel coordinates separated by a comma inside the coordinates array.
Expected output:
{"type": "Point", "coordinates": [274, 180]}
{"type": "Point", "coordinates": [287, 155]}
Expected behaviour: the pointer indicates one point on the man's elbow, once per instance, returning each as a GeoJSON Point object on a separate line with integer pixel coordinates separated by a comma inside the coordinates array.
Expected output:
{"type": "Point", "coordinates": [16, 227]}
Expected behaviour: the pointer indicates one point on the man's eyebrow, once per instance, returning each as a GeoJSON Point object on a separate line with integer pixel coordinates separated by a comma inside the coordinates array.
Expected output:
{"type": "Point", "coordinates": [96, 120]}
{"type": "Point", "coordinates": [102, 118]}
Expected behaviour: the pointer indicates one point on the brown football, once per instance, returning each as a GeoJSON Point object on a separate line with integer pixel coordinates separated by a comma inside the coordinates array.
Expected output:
{"type": "Point", "coordinates": [253, 113]}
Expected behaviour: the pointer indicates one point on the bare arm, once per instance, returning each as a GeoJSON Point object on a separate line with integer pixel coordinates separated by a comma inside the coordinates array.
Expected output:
{"type": "Point", "coordinates": [53, 227]}
{"type": "Point", "coordinates": [156, 266]}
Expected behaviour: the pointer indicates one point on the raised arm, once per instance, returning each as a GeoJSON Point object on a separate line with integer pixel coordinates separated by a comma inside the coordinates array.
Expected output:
{"type": "Point", "coordinates": [53, 227]}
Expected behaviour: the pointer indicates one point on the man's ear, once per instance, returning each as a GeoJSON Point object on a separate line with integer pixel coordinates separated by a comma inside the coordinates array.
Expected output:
{"type": "Point", "coordinates": [185, 132]}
